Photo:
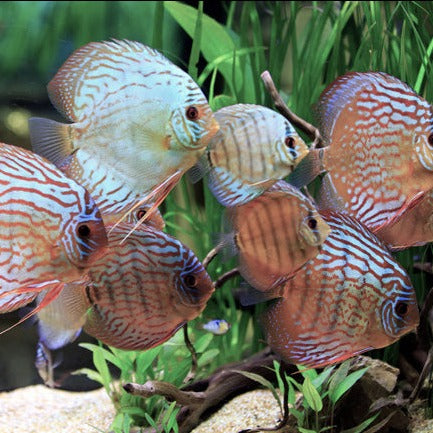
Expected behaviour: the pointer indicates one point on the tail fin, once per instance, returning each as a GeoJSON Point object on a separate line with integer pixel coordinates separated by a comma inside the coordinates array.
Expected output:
{"type": "Point", "coordinates": [51, 139]}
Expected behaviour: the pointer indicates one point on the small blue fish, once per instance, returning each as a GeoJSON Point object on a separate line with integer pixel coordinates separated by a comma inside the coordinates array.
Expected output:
{"type": "Point", "coordinates": [217, 326]}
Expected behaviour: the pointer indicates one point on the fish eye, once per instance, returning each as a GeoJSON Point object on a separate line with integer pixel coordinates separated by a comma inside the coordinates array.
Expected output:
{"type": "Point", "coordinates": [83, 230]}
{"type": "Point", "coordinates": [430, 140]}
{"type": "Point", "coordinates": [290, 142]}
{"type": "Point", "coordinates": [401, 308]}
{"type": "Point", "coordinates": [312, 223]}
{"type": "Point", "coordinates": [141, 213]}
{"type": "Point", "coordinates": [190, 280]}
{"type": "Point", "coordinates": [192, 113]}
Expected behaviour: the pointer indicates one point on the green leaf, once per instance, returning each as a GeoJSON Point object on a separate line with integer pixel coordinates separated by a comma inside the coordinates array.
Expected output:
{"type": "Point", "coordinates": [221, 101]}
{"type": "Point", "coordinates": [311, 395]}
{"type": "Point", "coordinates": [219, 44]}
{"type": "Point", "coordinates": [91, 374]}
{"type": "Point", "coordinates": [101, 365]}
{"type": "Point", "coordinates": [203, 342]}
{"type": "Point", "coordinates": [207, 357]}
{"type": "Point", "coordinates": [306, 430]}
{"type": "Point", "coordinates": [262, 381]}
{"type": "Point", "coordinates": [339, 376]}
{"type": "Point", "coordinates": [145, 359]}
{"type": "Point", "coordinates": [346, 384]}
{"type": "Point", "coordinates": [361, 427]}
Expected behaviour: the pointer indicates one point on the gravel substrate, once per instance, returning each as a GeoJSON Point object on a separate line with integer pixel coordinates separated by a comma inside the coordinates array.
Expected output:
{"type": "Point", "coordinates": [253, 409]}
{"type": "Point", "coordinates": [38, 409]}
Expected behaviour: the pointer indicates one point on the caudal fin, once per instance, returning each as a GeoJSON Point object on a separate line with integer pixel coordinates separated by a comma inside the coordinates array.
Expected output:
{"type": "Point", "coordinates": [51, 139]}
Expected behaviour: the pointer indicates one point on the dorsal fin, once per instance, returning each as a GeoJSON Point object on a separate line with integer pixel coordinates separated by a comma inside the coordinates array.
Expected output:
{"type": "Point", "coordinates": [342, 91]}
{"type": "Point", "coordinates": [92, 70]}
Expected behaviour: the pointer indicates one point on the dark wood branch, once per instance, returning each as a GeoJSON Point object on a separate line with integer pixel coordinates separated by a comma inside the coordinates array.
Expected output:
{"type": "Point", "coordinates": [199, 398]}
{"type": "Point", "coordinates": [226, 277]}
{"type": "Point", "coordinates": [210, 256]}
{"type": "Point", "coordinates": [282, 107]}
{"type": "Point", "coordinates": [423, 330]}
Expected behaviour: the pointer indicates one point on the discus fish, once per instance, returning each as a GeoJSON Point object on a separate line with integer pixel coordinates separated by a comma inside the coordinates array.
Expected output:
{"type": "Point", "coordinates": [139, 122]}
{"type": "Point", "coordinates": [275, 235]}
{"type": "Point", "coordinates": [380, 154]}
{"type": "Point", "coordinates": [137, 296]}
{"type": "Point", "coordinates": [50, 229]}
{"type": "Point", "coordinates": [155, 219]}
{"type": "Point", "coordinates": [217, 326]}
{"type": "Point", "coordinates": [60, 322]}
{"type": "Point", "coordinates": [413, 228]}
{"type": "Point", "coordinates": [254, 148]}
{"type": "Point", "coordinates": [351, 298]}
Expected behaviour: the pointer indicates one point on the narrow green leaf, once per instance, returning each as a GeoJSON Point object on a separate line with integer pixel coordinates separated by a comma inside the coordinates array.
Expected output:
{"type": "Point", "coordinates": [311, 395]}
{"type": "Point", "coordinates": [219, 44]}
{"type": "Point", "coordinates": [346, 384]}
{"type": "Point", "coordinates": [262, 381]}
{"type": "Point", "coordinates": [207, 357]}
{"type": "Point", "coordinates": [101, 365]}
{"type": "Point", "coordinates": [306, 430]}
{"type": "Point", "coordinates": [361, 427]}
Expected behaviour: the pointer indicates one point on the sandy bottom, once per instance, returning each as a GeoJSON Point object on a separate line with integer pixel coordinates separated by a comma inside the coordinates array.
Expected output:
{"type": "Point", "coordinates": [38, 409]}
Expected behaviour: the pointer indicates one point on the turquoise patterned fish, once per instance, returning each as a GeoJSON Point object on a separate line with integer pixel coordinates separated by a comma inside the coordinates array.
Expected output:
{"type": "Point", "coordinates": [138, 123]}
{"type": "Point", "coordinates": [254, 148]}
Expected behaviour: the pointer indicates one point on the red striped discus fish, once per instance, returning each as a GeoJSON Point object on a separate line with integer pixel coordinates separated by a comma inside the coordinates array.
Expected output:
{"type": "Point", "coordinates": [351, 298]}
{"type": "Point", "coordinates": [275, 234]}
{"type": "Point", "coordinates": [50, 228]}
{"type": "Point", "coordinates": [254, 148]}
{"type": "Point", "coordinates": [155, 219]}
{"type": "Point", "coordinates": [413, 228]}
{"type": "Point", "coordinates": [138, 296]}
{"type": "Point", "coordinates": [139, 122]}
{"type": "Point", "coordinates": [380, 154]}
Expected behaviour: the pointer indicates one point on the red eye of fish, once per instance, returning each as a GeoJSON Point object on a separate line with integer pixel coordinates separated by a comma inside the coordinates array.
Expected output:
{"type": "Point", "coordinates": [312, 223]}
{"type": "Point", "coordinates": [83, 231]}
{"type": "Point", "coordinates": [401, 309]}
{"type": "Point", "coordinates": [190, 280]}
{"type": "Point", "coordinates": [290, 142]}
{"type": "Point", "coordinates": [192, 113]}
{"type": "Point", "coordinates": [141, 213]}
{"type": "Point", "coordinates": [430, 140]}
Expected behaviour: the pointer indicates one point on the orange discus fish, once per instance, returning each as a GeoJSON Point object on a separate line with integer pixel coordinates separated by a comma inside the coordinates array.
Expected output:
{"type": "Point", "coordinates": [137, 296]}
{"type": "Point", "coordinates": [139, 122]}
{"type": "Point", "coordinates": [413, 228]}
{"type": "Point", "coordinates": [276, 234]}
{"type": "Point", "coordinates": [50, 228]}
{"type": "Point", "coordinates": [380, 154]}
{"type": "Point", "coordinates": [155, 219]}
{"type": "Point", "coordinates": [254, 148]}
{"type": "Point", "coordinates": [350, 298]}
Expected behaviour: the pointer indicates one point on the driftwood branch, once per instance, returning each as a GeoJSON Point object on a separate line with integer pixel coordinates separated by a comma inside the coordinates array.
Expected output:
{"type": "Point", "coordinates": [199, 398]}
{"type": "Point", "coordinates": [282, 107]}
{"type": "Point", "coordinates": [226, 277]}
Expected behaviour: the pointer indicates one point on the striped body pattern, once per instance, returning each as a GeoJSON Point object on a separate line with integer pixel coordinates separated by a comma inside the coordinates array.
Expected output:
{"type": "Point", "coordinates": [413, 228]}
{"type": "Point", "coordinates": [155, 220]}
{"type": "Point", "coordinates": [145, 289]}
{"type": "Point", "coordinates": [350, 298]}
{"type": "Point", "coordinates": [380, 134]}
{"type": "Point", "coordinates": [138, 119]}
{"type": "Point", "coordinates": [50, 228]}
{"type": "Point", "coordinates": [254, 148]}
{"type": "Point", "coordinates": [275, 234]}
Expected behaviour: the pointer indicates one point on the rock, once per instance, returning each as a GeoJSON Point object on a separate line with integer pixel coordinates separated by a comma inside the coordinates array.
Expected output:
{"type": "Point", "coordinates": [38, 409]}
{"type": "Point", "coordinates": [378, 382]}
